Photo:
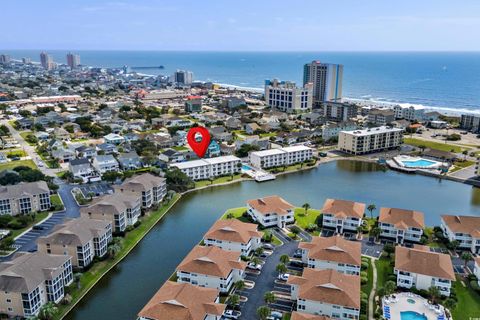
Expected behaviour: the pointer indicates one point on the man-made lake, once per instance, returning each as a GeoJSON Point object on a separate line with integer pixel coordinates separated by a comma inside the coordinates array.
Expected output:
{"type": "Point", "coordinates": [123, 292]}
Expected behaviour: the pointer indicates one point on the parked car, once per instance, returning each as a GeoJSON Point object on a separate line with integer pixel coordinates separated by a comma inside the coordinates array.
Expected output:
{"type": "Point", "coordinates": [38, 227]}
{"type": "Point", "coordinates": [275, 315]}
{"type": "Point", "coordinates": [254, 266]}
{"type": "Point", "coordinates": [297, 253]}
{"type": "Point", "coordinates": [232, 314]}
{"type": "Point", "coordinates": [322, 154]}
{"type": "Point", "coordinates": [268, 246]}
{"type": "Point", "coordinates": [15, 158]}
{"type": "Point", "coordinates": [283, 276]}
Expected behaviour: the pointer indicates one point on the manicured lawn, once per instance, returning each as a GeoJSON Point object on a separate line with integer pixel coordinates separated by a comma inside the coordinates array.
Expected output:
{"type": "Point", "coordinates": [16, 152]}
{"type": "Point", "coordinates": [434, 145]}
{"type": "Point", "coordinates": [303, 220]}
{"type": "Point", "coordinates": [56, 202]}
{"type": "Point", "coordinates": [12, 164]}
{"type": "Point", "coordinates": [468, 305]}
{"type": "Point", "coordinates": [180, 148]}
{"type": "Point", "coordinates": [99, 269]}
{"type": "Point", "coordinates": [267, 135]}
{"type": "Point", "coordinates": [38, 217]}
{"type": "Point", "coordinates": [203, 183]}
{"type": "Point", "coordinates": [383, 270]}
{"type": "Point", "coordinates": [24, 135]}
{"type": "Point", "coordinates": [458, 165]}
{"type": "Point", "coordinates": [367, 288]}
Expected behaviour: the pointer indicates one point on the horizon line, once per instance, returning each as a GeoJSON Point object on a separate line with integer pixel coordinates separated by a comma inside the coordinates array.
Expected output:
{"type": "Point", "coordinates": [252, 51]}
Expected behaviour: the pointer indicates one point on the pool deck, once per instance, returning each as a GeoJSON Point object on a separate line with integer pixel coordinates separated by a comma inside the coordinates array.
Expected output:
{"type": "Point", "coordinates": [403, 305]}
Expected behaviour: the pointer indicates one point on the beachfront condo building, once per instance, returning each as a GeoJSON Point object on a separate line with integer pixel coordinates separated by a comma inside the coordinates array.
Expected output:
{"type": "Point", "coordinates": [73, 60]}
{"type": "Point", "coordinates": [409, 113]}
{"type": "Point", "coordinates": [335, 253]}
{"type": "Point", "coordinates": [233, 235]}
{"type": "Point", "coordinates": [464, 229]}
{"type": "Point", "coordinates": [81, 238]}
{"type": "Point", "coordinates": [401, 225]}
{"type": "Point", "coordinates": [326, 79]}
{"type": "Point", "coordinates": [421, 268]}
{"type": "Point", "coordinates": [30, 280]}
{"type": "Point", "coordinates": [24, 198]}
{"type": "Point", "coordinates": [370, 140]}
{"type": "Point", "coordinates": [272, 211]}
{"type": "Point", "coordinates": [204, 169]}
{"type": "Point", "coordinates": [342, 215]}
{"type": "Point", "coordinates": [183, 77]}
{"type": "Point", "coordinates": [280, 157]}
{"type": "Point", "coordinates": [470, 122]}
{"type": "Point", "coordinates": [211, 267]}
{"type": "Point", "coordinates": [326, 292]}
{"type": "Point", "coordinates": [339, 111]}
{"type": "Point", "coordinates": [381, 117]}
{"type": "Point", "coordinates": [46, 61]}
{"type": "Point", "coordinates": [183, 301]}
{"type": "Point", "coordinates": [285, 96]}
{"type": "Point", "coordinates": [152, 188]}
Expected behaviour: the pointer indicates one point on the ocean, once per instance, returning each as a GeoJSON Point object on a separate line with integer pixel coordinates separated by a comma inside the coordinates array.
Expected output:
{"type": "Point", "coordinates": [448, 81]}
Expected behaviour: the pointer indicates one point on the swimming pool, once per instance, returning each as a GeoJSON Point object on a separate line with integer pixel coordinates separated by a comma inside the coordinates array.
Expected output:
{"type": "Point", "coordinates": [412, 315]}
{"type": "Point", "coordinates": [420, 163]}
{"type": "Point", "coordinates": [245, 167]}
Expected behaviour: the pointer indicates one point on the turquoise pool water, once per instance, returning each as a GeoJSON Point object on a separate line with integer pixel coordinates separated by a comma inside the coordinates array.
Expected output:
{"type": "Point", "coordinates": [245, 167]}
{"type": "Point", "coordinates": [411, 315]}
{"type": "Point", "coordinates": [418, 163]}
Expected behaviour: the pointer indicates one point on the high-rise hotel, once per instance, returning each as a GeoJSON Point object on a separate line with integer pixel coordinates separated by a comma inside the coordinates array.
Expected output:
{"type": "Point", "coordinates": [73, 60]}
{"type": "Point", "coordinates": [326, 79]}
{"type": "Point", "coordinates": [47, 61]}
{"type": "Point", "coordinates": [287, 97]}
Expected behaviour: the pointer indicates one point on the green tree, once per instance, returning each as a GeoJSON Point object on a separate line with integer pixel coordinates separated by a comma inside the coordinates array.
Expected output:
{"type": "Point", "coordinates": [113, 250]}
{"type": "Point", "coordinates": [281, 268]}
{"type": "Point", "coordinates": [111, 176]}
{"type": "Point", "coordinates": [466, 257]}
{"type": "Point", "coordinates": [269, 297]}
{"type": "Point", "coordinates": [233, 300]}
{"type": "Point", "coordinates": [48, 311]}
{"type": "Point", "coordinates": [76, 278]}
{"type": "Point", "coordinates": [434, 293]}
{"type": "Point", "coordinates": [450, 304]}
{"type": "Point", "coordinates": [178, 181]}
{"type": "Point", "coordinates": [371, 208]}
{"type": "Point", "coordinates": [263, 312]}
{"type": "Point", "coordinates": [306, 206]}
{"type": "Point", "coordinates": [239, 285]}
{"type": "Point", "coordinates": [259, 251]}
{"type": "Point", "coordinates": [284, 258]}
{"type": "Point", "coordinates": [390, 287]}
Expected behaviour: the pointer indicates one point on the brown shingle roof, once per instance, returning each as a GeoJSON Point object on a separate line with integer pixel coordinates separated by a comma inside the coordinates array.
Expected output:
{"type": "Point", "coordinates": [305, 316]}
{"type": "Point", "coordinates": [271, 204]}
{"type": "Point", "coordinates": [182, 301]}
{"type": "Point", "coordinates": [344, 208]}
{"type": "Point", "coordinates": [422, 261]}
{"type": "Point", "coordinates": [233, 230]}
{"type": "Point", "coordinates": [328, 286]}
{"type": "Point", "coordinates": [402, 218]}
{"type": "Point", "coordinates": [211, 261]}
{"type": "Point", "coordinates": [463, 224]}
{"type": "Point", "coordinates": [142, 182]}
{"type": "Point", "coordinates": [333, 249]}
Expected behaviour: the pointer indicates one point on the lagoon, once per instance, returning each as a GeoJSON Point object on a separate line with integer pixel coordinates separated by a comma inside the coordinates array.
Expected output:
{"type": "Point", "coordinates": [128, 287]}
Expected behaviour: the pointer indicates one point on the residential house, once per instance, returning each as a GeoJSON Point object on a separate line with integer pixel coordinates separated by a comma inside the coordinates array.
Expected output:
{"type": "Point", "coordinates": [183, 301]}
{"type": "Point", "coordinates": [464, 229]}
{"type": "Point", "coordinates": [211, 267]}
{"type": "Point", "coordinates": [107, 148]}
{"type": "Point", "coordinates": [113, 138]}
{"type": "Point", "coordinates": [24, 198]}
{"type": "Point", "coordinates": [220, 134]}
{"type": "Point", "coordinates": [25, 123]}
{"type": "Point", "coordinates": [401, 225]}
{"type": "Point", "coordinates": [213, 149]}
{"type": "Point", "coordinates": [193, 104]}
{"type": "Point", "coordinates": [151, 188]}
{"type": "Point", "coordinates": [421, 268]}
{"type": "Point", "coordinates": [342, 215]}
{"type": "Point", "coordinates": [130, 161]}
{"type": "Point", "coordinates": [81, 238]}
{"type": "Point", "coordinates": [233, 123]}
{"type": "Point", "coordinates": [234, 235]}
{"type": "Point", "coordinates": [334, 253]}
{"type": "Point", "coordinates": [30, 280]}
{"type": "Point", "coordinates": [105, 163]}
{"type": "Point", "coordinates": [271, 211]}
{"type": "Point", "coordinates": [85, 152]}
{"type": "Point", "coordinates": [63, 154]}
{"type": "Point", "coordinates": [82, 169]}
{"type": "Point", "coordinates": [171, 155]}
{"type": "Point", "coordinates": [326, 292]}
{"type": "Point", "coordinates": [332, 129]}
{"type": "Point", "coordinates": [61, 134]}
{"type": "Point", "coordinates": [251, 128]}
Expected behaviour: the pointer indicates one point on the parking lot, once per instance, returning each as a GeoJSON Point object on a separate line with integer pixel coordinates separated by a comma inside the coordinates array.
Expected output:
{"type": "Point", "coordinates": [95, 189]}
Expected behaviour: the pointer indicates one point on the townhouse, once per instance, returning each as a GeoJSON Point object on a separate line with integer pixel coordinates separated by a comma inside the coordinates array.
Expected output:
{"type": "Point", "coordinates": [105, 163]}
{"type": "Point", "coordinates": [81, 238]}
{"type": "Point", "coordinates": [280, 157]}
{"type": "Point", "coordinates": [24, 198]}
{"type": "Point", "coordinates": [401, 224]}
{"type": "Point", "coordinates": [233, 235]}
{"type": "Point", "coordinates": [211, 267]}
{"type": "Point", "coordinates": [271, 211]}
{"type": "Point", "coordinates": [82, 169]}
{"type": "Point", "coordinates": [204, 169]}
{"type": "Point", "coordinates": [370, 140]}
{"type": "Point", "coordinates": [183, 301]}
{"type": "Point", "coordinates": [342, 215]}
{"type": "Point", "coordinates": [151, 188]}
{"type": "Point", "coordinates": [419, 267]}
{"type": "Point", "coordinates": [464, 229]}
{"type": "Point", "coordinates": [30, 280]}
{"type": "Point", "coordinates": [326, 293]}
{"type": "Point", "coordinates": [334, 253]}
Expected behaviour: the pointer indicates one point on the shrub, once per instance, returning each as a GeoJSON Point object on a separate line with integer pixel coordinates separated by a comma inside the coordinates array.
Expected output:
{"type": "Point", "coordinates": [392, 277]}
{"type": "Point", "coordinates": [364, 265]}
{"type": "Point", "coordinates": [15, 225]}
{"type": "Point", "coordinates": [363, 274]}
{"type": "Point", "coordinates": [364, 280]}
{"type": "Point", "coordinates": [137, 224]}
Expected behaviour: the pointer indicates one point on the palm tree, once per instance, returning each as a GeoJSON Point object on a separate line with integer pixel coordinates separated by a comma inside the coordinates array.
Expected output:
{"type": "Point", "coordinates": [48, 311]}
{"type": "Point", "coordinates": [281, 268]}
{"type": "Point", "coordinates": [390, 287]}
{"type": "Point", "coordinates": [267, 236]}
{"type": "Point", "coordinates": [434, 293]}
{"type": "Point", "coordinates": [113, 250]}
{"type": "Point", "coordinates": [422, 147]}
{"type": "Point", "coordinates": [233, 300]}
{"type": "Point", "coordinates": [450, 304]}
{"type": "Point", "coordinates": [76, 278]}
{"type": "Point", "coordinates": [306, 206]}
{"type": "Point", "coordinates": [359, 231]}
{"type": "Point", "coordinates": [466, 257]}
{"type": "Point", "coordinates": [371, 207]}
{"type": "Point", "coordinates": [284, 258]}
{"type": "Point", "coordinates": [255, 260]}
{"type": "Point", "coordinates": [269, 297]}
{"type": "Point", "coordinates": [454, 245]}
{"type": "Point", "coordinates": [259, 251]}
{"type": "Point", "coordinates": [263, 312]}
{"type": "Point", "coordinates": [465, 153]}
{"type": "Point", "coordinates": [375, 232]}
{"type": "Point", "coordinates": [239, 285]}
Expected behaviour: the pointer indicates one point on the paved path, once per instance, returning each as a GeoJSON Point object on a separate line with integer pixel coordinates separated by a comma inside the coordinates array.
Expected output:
{"type": "Point", "coordinates": [371, 299]}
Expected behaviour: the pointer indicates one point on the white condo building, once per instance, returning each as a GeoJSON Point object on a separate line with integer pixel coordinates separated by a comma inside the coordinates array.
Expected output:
{"type": "Point", "coordinates": [326, 79]}
{"type": "Point", "coordinates": [370, 140]}
{"type": "Point", "coordinates": [401, 225]}
{"type": "Point", "coordinates": [342, 215]}
{"type": "Point", "coordinates": [419, 267]}
{"type": "Point", "coordinates": [204, 169]}
{"type": "Point", "coordinates": [287, 97]}
{"type": "Point", "coordinates": [464, 229]}
{"type": "Point", "coordinates": [271, 211]}
{"type": "Point", "coordinates": [409, 113]}
{"type": "Point", "coordinates": [280, 157]}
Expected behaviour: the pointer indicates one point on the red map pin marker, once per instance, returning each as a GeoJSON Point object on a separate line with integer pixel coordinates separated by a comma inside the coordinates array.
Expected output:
{"type": "Point", "coordinates": [199, 147]}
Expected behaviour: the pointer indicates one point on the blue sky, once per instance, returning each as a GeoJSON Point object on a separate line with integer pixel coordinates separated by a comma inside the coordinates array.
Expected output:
{"type": "Point", "coordinates": [309, 25]}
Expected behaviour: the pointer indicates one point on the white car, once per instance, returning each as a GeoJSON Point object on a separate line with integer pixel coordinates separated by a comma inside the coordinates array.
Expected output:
{"type": "Point", "coordinates": [283, 276]}
{"type": "Point", "coordinates": [275, 315]}
{"type": "Point", "coordinates": [232, 314]}
{"type": "Point", "coordinates": [254, 266]}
